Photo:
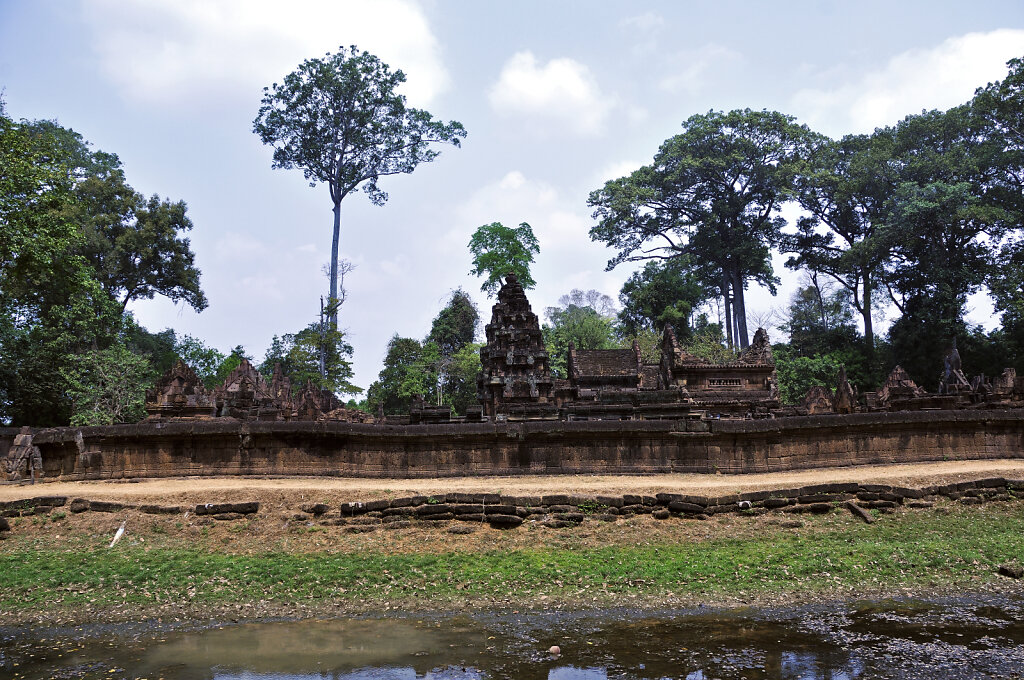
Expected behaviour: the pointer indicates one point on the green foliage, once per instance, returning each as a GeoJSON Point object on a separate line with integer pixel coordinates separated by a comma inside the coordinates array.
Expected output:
{"type": "Point", "coordinates": [135, 246]}
{"type": "Point", "coordinates": [108, 386]}
{"type": "Point", "coordinates": [582, 326]}
{"type": "Point", "coordinates": [204, 360]}
{"type": "Point", "coordinates": [460, 378]}
{"type": "Point", "coordinates": [299, 356]}
{"type": "Point", "coordinates": [51, 306]}
{"type": "Point", "coordinates": [76, 245]}
{"type": "Point", "coordinates": [456, 324]}
{"type": "Point", "coordinates": [341, 120]}
{"type": "Point", "coordinates": [662, 293]}
{"type": "Point", "coordinates": [844, 186]}
{"type": "Point", "coordinates": [707, 342]}
{"type": "Point", "coordinates": [797, 374]}
{"type": "Point", "coordinates": [712, 193]}
{"type": "Point", "coordinates": [499, 250]}
{"type": "Point", "coordinates": [819, 320]}
{"type": "Point", "coordinates": [408, 371]}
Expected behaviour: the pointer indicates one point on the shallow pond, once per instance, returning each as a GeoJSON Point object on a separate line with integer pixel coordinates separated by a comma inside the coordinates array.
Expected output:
{"type": "Point", "coordinates": [969, 638]}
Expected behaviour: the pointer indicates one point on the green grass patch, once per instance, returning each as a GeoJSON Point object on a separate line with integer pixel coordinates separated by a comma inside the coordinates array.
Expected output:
{"type": "Point", "coordinates": [926, 549]}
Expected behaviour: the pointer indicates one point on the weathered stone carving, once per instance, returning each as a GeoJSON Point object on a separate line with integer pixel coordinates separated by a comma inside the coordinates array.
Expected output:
{"type": "Point", "coordinates": [516, 375]}
{"type": "Point", "coordinates": [23, 456]}
{"type": "Point", "coordinates": [244, 395]}
{"type": "Point", "coordinates": [179, 394]}
{"type": "Point", "coordinates": [818, 400]}
{"type": "Point", "coordinates": [845, 398]}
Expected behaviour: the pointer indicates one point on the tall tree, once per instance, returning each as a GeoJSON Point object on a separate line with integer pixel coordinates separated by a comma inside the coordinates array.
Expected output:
{"type": "Point", "coordinates": [340, 119]}
{"type": "Point", "coordinates": [844, 186]}
{"type": "Point", "coordinates": [300, 357]}
{"type": "Point", "coordinates": [453, 329]}
{"type": "Point", "coordinates": [943, 229]}
{"type": "Point", "coordinates": [407, 372]}
{"type": "Point", "coordinates": [499, 250]}
{"type": "Point", "coordinates": [713, 193]}
{"type": "Point", "coordinates": [51, 306]}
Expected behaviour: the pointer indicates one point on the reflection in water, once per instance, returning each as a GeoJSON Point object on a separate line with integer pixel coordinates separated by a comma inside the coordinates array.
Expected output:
{"type": "Point", "coordinates": [889, 640]}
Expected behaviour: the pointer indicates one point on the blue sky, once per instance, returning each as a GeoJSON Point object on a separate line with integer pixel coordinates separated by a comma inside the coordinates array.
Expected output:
{"type": "Point", "coordinates": [556, 97]}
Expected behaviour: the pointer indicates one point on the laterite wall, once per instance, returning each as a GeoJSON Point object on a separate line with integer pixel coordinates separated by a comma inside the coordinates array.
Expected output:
{"type": "Point", "coordinates": [304, 448]}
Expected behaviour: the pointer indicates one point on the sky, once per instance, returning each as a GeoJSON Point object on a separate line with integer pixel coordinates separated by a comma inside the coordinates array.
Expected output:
{"type": "Point", "coordinates": [557, 98]}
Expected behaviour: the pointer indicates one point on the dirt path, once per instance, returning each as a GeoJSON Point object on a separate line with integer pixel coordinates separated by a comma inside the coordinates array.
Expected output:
{"type": "Point", "coordinates": [335, 488]}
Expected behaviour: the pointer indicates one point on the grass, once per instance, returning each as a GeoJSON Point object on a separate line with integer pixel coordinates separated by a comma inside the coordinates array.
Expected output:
{"type": "Point", "coordinates": [925, 549]}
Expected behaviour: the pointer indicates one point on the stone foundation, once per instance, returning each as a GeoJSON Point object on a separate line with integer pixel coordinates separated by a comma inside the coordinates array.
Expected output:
{"type": "Point", "coordinates": [224, 447]}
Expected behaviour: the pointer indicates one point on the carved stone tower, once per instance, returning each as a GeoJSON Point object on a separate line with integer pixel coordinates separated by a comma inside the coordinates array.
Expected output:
{"type": "Point", "coordinates": [516, 377]}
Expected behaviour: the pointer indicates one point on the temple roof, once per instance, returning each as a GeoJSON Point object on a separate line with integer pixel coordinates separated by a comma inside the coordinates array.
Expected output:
{"type": "Point", "coordinates": [605, 362]}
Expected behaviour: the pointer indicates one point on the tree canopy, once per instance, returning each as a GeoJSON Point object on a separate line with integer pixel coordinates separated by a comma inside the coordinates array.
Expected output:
{"type": "Point", "coordinates": [713, 192]}
{"type": "Point", "coordinates": [340, 119]}
{"type": "Point", "coordinates": [666, 292]}
{"type": "Point", "coordinates": [76, 245]}
{"type": "Point", "coordinates": [499, 250]}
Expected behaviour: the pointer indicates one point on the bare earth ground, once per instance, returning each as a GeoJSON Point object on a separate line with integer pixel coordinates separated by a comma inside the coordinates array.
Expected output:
{"type": "Point", "coordinates": [280, 528]}
{"type": "Point", "coordinates": [292, 490]}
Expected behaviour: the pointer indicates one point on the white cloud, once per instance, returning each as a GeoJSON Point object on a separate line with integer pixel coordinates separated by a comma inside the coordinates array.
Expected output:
{"type": "Point", "coordinates": [174, 52]}
{"type": "Point", "coordinates": [648, 22]}
{"type": "Point", "coordinates": [695, 69]}
{"type": "Point", "coordinates": [562, 90]}
{"type": "Point", "coordinates": [936, 78]}
{"type": "Point", "coordinates": [616, 170]}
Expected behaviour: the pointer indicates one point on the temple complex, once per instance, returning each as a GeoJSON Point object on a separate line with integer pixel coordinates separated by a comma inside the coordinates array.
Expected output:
{"type": "Point", "coordinates": [516, 384]}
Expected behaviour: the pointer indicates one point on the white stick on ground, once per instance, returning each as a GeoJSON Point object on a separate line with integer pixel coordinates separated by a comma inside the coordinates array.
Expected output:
{"type": "Point", "coordinates": [119, 534]}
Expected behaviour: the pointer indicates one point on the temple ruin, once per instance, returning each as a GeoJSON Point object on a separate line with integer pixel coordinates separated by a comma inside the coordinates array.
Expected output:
{"type": "Point", "coordinates": [516, 384]}
{"type": "Point", "coordinates": [245, 395]}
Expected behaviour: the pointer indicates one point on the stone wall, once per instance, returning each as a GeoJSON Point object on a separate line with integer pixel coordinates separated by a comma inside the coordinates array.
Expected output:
{"type": "Point", "coordinates": [358, 450]}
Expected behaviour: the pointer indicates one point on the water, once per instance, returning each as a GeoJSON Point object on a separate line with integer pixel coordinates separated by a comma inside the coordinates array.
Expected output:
{"type": "Point", "coordinates": [956, 638]}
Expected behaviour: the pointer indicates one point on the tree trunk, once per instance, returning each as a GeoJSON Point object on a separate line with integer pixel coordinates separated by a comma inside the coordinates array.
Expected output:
{"type": "Point", "coordinates": [740, 310]}
{"type": "Point", "coordinates": [869, 332]}
{"type": "Point", "coordinates": [332, 302]}
{"type": "Point", "coordinates": [728, 310]}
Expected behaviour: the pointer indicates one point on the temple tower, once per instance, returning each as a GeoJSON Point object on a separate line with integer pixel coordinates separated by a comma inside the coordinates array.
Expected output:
{"type": "Point", "coordinates": [516, 377]}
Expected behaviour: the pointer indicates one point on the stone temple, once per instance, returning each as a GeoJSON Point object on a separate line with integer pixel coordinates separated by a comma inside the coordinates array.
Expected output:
{"type": "Point", "coordinates": [516, 384]}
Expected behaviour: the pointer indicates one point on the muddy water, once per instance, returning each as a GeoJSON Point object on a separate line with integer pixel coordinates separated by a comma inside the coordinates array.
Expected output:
{"type": "Point", "coordinates": [957, 638]}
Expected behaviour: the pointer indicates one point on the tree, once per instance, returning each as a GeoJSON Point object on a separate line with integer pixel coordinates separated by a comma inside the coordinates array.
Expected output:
{"type": "Point", "coordinates": [845, 186]}
{"type": "Point", "coordinates": [76, 244]}
{"type": "Point", "coordinates": [798, 374]}
{"type": "Point", "coordinates": [340, 119]}
{"type": "Point", "coordinates": [460, 378]}
{"type": "Point", "coordinates": [456, 324]}
{"type": "Point", "coordinates": [108, 386]}
{"type": "Point", "coordinates": [662, 293]}
{"type": "Point", "coordinates": [582, 326]}
{"type": "Point", "coordinates": [407, 372]}
{"type": "Point", "coordinates": [945, 223]}
{"type": "Point", "coordinates": [819, 319]}
{"type": "Point", "coordinates": [299, 355]}
{"type": "Point", "coordinates": [499, 250]}
{"type": "Point", "coordinates": [135, 246]}
{"type": "Point", "coordinates": [51, 306]}
{"type": "Point", "coordinates": [453, 329]}
{"type": "Point", "coordinates": [712, 193]}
